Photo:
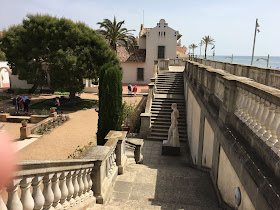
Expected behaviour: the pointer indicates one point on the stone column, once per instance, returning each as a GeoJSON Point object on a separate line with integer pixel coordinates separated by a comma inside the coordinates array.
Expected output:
{"type": "Point", "coordinates": [145, 129]}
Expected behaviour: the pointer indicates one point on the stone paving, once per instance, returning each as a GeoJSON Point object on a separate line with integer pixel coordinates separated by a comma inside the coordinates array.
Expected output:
{"type": "Point", "coordinates": [162, 182]}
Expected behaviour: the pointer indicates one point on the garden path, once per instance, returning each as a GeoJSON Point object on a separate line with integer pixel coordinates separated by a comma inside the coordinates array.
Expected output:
{"type": "Point", "coordinates": [63, 140]}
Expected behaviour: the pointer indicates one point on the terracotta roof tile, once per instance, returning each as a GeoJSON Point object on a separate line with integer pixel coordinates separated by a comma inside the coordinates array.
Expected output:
{"type": "Point", "coordinates": [136, 55]}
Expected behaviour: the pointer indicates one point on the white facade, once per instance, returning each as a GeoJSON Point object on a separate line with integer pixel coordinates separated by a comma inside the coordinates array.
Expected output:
{"type": "Point", "coordinates": [150, 39]}
{"type": "Point", "coordinates": [4, 75]}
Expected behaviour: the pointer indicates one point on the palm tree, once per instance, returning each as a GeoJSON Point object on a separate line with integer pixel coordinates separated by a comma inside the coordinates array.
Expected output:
{"type": "Point", "coordinates": [200, 44]}
{"type": "Point", "coordinates": [115, 34]}
{"type": "Point", "coordinates": [193, 46]}
{"type": "Point", "coordinates": [207, 40]}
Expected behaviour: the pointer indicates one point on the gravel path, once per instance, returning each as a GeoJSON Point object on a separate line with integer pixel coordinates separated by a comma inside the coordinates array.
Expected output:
{"type": "Point", "coordinates": [63, 140]}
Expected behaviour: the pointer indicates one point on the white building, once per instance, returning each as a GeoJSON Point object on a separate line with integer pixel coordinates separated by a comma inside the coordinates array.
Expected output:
{"type": "Point", "coordinates": [155, 43]}
{"type": "Point", "coordinates": [4, 75]}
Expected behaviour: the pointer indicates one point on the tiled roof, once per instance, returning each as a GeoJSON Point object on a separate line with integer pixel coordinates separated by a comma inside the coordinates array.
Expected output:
{"type": "Point", "coordinates": [135, 55]}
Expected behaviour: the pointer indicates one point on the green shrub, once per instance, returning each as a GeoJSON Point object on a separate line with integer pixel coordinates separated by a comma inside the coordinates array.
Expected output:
{"type": "Point", "coordinates": [110, 101]}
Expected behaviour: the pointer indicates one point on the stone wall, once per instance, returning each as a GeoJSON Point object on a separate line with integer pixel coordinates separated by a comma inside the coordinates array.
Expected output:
{"type": "Point", "coordinates": [222, 111]}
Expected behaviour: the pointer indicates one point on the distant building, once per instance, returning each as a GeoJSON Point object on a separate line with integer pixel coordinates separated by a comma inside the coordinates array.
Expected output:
{"type": "Point", "coordinates": [155, 43]}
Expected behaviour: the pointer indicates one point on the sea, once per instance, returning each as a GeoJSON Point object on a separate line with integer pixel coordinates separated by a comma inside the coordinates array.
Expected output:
{"type": "Point", "coordinates": [274, 61]}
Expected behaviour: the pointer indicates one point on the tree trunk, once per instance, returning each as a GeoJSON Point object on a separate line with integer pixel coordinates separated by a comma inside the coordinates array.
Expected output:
{"type": "Point", "coordinates": [72, 95]}
{"type": "Point", "coordinates": [34, 87]}
{"type": "Point", "coordinates": [205, 50]}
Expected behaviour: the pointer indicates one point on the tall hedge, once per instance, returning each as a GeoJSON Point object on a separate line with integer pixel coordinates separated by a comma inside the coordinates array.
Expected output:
{"type": "Point", "coordinates": [110, 101]}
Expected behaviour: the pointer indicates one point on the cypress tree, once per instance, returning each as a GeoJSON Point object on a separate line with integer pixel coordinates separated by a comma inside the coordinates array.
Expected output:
{"type": "Point", "coordinates": [110, 101]}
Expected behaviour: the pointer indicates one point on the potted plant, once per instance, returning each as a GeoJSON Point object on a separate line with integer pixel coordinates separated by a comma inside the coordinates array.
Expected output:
{"type": "Point", "coordinates": [52, 109]}
{"type": "Point", "coordinates": [24, 123]}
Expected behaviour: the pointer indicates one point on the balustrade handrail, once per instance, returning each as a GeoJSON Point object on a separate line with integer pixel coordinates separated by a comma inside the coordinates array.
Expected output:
{"type": "Point", "coordinates": [31, 167]}
{"type": "Point", "coordinates": [263, 75]}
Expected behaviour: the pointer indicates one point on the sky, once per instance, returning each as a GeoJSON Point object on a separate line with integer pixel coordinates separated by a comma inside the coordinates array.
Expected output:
{"type": "Point", "coordinates": [230, 22]}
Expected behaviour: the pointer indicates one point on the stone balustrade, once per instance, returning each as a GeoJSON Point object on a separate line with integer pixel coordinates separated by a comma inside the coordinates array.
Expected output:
{"type": "Point", "coordinates": [163, 64]}
{"type": "Point", "coordinates": [176, 62]}
{"type": "Point", "coordinates": [266, 76]}
{"type": "Point", "coordinates": [256, 106]}
{"type": "Point", "coordinates": [66, 184]}
{"type": "Point", "coordinates": [234, 124]}
{"type": "Point", "coordinates": [146, 116]}
{"type": "Point", "coordinates": [261, 115]}
{"type": "Point", "coordinates": [109, 161]}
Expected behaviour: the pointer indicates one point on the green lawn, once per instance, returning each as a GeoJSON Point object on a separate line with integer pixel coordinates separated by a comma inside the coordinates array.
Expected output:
{"type": "Point", "coordinates": [66, 104]}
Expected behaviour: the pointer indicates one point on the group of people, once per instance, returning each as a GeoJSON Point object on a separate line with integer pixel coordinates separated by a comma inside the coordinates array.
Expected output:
{"type": "Point", "coordinates": [21, 103]}
{"type": "Point", "coordinates": [130, 90]}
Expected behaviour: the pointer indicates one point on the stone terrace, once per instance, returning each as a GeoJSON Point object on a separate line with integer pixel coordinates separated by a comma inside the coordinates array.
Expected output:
{"type": "Point", "coordinates": [162, 182]}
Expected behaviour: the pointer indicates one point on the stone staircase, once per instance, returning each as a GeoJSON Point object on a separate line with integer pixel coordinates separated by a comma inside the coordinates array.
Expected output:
{"type": "Point", "coordinates": [170, 82]}
{"type": "Point", "coordinates": [169, 89]}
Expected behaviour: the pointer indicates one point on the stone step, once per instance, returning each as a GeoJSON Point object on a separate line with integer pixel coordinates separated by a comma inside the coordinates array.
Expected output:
{"type": "Point", "coordinates": [165, 130]}
{"type": "Point", "coordinates": [167, 123]}
{"type": "Point", "coordinates": [168, 112]}
{"type": "Point", "coordinates": [17, 119]}
{"type": "Point", "coordinates": [163, 87]}
{"type": "Point", "coordinates": [169, 92]}
{"type": "Point", "coordinates": [170, 100]}
{"type": "Point", "coordinates": [156, 135]}
{"type": "Point", "coordinates": [158, 118]}
{"type": "Point", "coordinates": [181, 126]}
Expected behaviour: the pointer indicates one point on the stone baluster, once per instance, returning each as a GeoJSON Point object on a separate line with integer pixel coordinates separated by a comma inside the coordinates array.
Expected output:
{"type": "Point", "coordinates": [257, 124]}
{"type": "Point", "coordinates": [47, 192]}
{"type": "Point", "coordinates": [238, 101]}
{"type": "Point", "coordinates": [76, 186]}
{"type": "Point", "coordinates": [81, 185]}
{"type": "Point", "coordinates": [250, 110]}
{"type": "Point", "coordinates": [37, 194]}
{"type": "Point", "coordinates": [56, 191]}
{"type": "Point", "coordinates": [63, 189]}
{"type": "Point", "coordinates": [241, 103]}
{"type": "Point", "coordinates": [26, 197]}
{"type": "Point", "coordinates": [276, 146]}
{"type": "Point", "coordinates": [2, 204]}
{"type": "Point", "coordinates": [255, 112]}
{"type": "Point", "coordinates": [273, 128]}
{"type": "Point", "coordinates": [90, 192]}
{"type": "Point", "coordinates": [70, 187]}
{"type": "Point", "coordinates": [261, 129]}
{"type": "Point", "coordinates": [247, 108]}
{"type": "Point", "coordinates": [14, 202]}
{"type": "Point", "coordinates": [85, 180]}
{"type": "Point", "coordinates": [244, 105]}
{"type": "Point", "coordinates": [266, 135]}
{"type": "Point", "coordinates": [251, 121]}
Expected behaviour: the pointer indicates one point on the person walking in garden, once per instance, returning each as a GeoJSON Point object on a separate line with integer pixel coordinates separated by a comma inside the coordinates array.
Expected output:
{"type": "Point", "coordinates": [129, 87]}
{"type": "Point", "coordinates": [26, 102]}
{"type": "Point", "coordinates": [135, 90]}
{"type": "Point", "coordinates": [19, 103]}
{"type": "Point", "coordinates": [15, 103]}
{"type": "Point", "coordinates": [57, 104]}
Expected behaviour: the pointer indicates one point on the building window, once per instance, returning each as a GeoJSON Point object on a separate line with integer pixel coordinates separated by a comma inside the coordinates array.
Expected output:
{"type": "Point", "coordinates": [140, 74]}
{"type": "Point", "coordinates": [161, 52]}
